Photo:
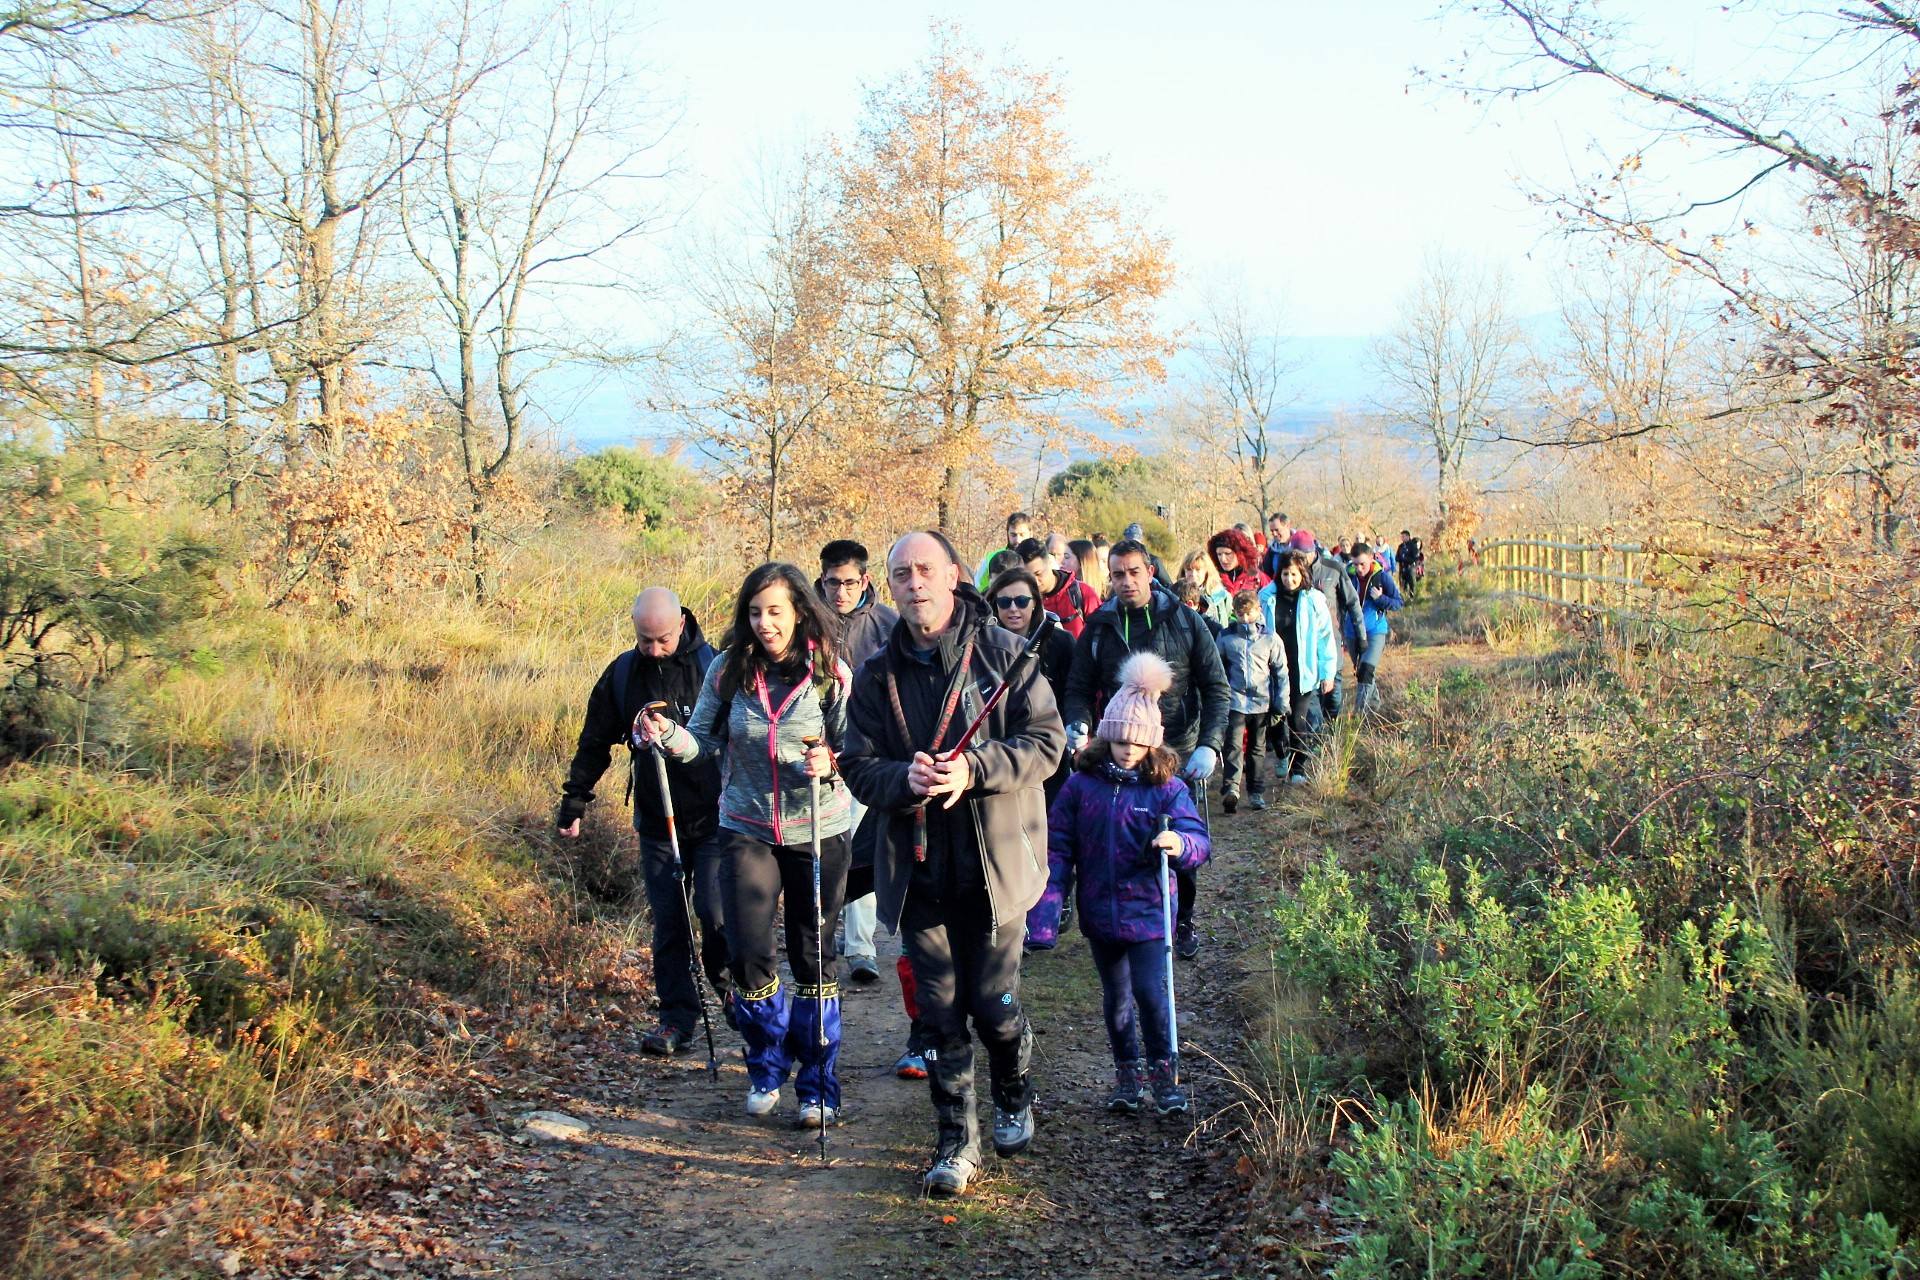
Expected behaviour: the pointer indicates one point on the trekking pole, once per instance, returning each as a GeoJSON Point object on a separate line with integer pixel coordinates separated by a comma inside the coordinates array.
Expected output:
{"type": "Point", "coordinates": [686, 893]}
{"type": "Point", "coordinates": [1166, 913]}
{"type": "Point", "coordinates": [819, 946]}
{"type": "Point", "coordinates": [1030, 653]}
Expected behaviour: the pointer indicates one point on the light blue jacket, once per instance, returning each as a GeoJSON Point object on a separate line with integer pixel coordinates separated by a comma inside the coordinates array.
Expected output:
{"type": "Point", "coordinates": [1319, 655]}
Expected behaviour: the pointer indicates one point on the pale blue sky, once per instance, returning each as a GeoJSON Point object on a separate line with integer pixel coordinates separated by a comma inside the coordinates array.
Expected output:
{"type": "Point", "coordinates": [1281, 139]}
{"type": "Point", "coordinates": [1287, 143]}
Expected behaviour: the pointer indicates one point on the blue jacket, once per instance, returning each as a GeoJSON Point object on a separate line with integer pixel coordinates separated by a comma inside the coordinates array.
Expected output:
{"type": "Point", "coordinates": [1098, 833]}
{"type": "Point", "coordinates": [1319, 654]}
{"type": "Point", "coordinates": [1375, 608]}
{"type": "Point", "coordinates": [1256, 664]}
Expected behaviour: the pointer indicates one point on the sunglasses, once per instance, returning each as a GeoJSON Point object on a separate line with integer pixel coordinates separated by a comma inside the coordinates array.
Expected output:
{"type": "Point", "coordinates": [1012, 602]}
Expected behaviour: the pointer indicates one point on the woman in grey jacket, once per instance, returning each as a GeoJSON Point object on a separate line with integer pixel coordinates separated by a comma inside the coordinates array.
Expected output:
{"type": "Point", "coordinates": [777, 687]}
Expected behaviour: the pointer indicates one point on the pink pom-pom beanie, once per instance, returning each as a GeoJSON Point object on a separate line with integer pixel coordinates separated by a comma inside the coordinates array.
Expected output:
{"type": "Point", "coordinates": [1133, 713]}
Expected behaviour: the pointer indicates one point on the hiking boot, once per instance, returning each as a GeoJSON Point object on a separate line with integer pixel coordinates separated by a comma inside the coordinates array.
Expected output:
{"type": "Point", "coordinates": [1186, 943]}
{"type": "Point", "coordinates": [1299, 779]}
{"type": "Point", "coordinates": [950, 1174]}
{"type": "Point", "coordinates": [815, 1115]}
{"type": "Point", "coordinates": [1230, 801]}
{"type": "Point", "coordinates": [1129, 1087]}
{"type": "Point", "coordinates": [1012, 1130]}
{"type": "Point", "coordinates": [1169, 1099]}
{"type": "Point", "coordinates": [863, 970]}
{"type": "Point", "coordinates": [911, 1066]}
{"type": "Point", "coordinates": [1257, 800]}
{"type": "Point", "coordinates": [666, 1041]}
{"type": "Point", "coordinates": [761, 1102]}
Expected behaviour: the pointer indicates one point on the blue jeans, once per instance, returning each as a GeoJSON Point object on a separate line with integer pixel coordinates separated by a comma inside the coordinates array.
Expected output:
{"type": "Point", "coordinates": [1367, 661]}
{"type": "Point", "coordinates": [1133, 985]}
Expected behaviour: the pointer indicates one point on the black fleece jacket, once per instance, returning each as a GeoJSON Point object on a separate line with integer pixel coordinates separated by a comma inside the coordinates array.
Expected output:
{"type": "Point", "coordinates": [609, 721]}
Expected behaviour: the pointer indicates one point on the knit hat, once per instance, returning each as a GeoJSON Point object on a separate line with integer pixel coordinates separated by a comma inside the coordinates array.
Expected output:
{"type": "Point", "coordinates": [1133, 714]}
{"type": "Point", "coordinates": [1302, 541]}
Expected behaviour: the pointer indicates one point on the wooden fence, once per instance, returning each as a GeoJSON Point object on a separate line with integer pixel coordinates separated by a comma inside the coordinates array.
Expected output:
{"type": "Point", "coordinates": [1559, 569]}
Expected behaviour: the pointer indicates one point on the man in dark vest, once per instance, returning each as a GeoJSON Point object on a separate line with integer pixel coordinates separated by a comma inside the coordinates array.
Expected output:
{"type": "Point", "coordinates": [964, 839]}
{"type": "Point", "coordinates": [666, 664]}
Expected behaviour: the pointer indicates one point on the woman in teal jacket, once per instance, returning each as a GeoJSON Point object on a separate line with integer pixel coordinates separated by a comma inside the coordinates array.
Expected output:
{"type": "Point", "coordinates": [1306, 632]}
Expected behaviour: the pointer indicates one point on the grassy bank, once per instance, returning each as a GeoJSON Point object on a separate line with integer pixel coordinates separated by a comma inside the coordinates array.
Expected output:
{"type": "Point", "coordinates": [260, 924]}
{"type": "Point", "coordinates": [1598, 960]}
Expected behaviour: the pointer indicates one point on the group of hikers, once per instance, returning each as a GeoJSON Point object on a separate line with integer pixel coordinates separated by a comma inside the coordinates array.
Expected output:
{"type": "Point", "coordinates": [964, 768]}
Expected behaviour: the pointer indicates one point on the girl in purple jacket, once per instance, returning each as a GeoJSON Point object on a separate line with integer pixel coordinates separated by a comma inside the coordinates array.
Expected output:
{"type": "Point", "coordinates": [1104, 832]}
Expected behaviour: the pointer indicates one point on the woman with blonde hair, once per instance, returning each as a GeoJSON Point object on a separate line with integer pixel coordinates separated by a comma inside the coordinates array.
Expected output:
{"type": "Point", "coordinates": [1197, 567]}
{"type": "Point", "coordinates": [1089, 562]}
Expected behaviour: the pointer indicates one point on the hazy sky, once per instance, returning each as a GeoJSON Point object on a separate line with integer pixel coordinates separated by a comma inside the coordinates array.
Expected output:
{"type": "Point", "coordinates": [1282, 140]}
{"type": "Point", "coordinates": [1286, 142]}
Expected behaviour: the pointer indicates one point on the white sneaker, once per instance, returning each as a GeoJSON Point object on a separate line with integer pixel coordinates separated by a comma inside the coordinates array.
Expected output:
{"type": "Point", "coordinates": [813, 1114]}
{"type": "Point", "coordinates": [761, 1102]}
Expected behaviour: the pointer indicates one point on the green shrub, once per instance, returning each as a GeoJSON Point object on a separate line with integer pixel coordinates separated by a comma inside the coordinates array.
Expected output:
{"type": "Point", "coordinates": [1506, 1200]}
{"type": "Point", "coordinates": [645, 486]}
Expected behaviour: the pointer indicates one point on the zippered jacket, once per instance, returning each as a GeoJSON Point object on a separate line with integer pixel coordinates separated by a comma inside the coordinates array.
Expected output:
{"type": "Point", "coordinates": [760, 744]}
{"type": "Point", "coordinates": [629, 683]}
{"type": "Point", "coordinates": [1256, 665]}
{"type": "Point", "coordinates": [1099, 832]}
{"type": "Point", "coordinates": [1374, 610]}
{"type": "Point", "coordinates": [1002, 817]}
{"type": "Point", "coordinates": [1194, 710]}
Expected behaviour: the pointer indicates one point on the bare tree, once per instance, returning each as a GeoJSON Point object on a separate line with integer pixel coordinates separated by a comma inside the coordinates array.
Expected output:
{"type": "Point", "coordinates": [1248, 371]}
{"type": "Point", "coordinates": [1802, 138]}
{"type": "Point", "coordinates": [533, 174]}
{"type": "Point", "coordinates": [774, 371]}
{"type": "Point", "coordinates": [1446, 365]}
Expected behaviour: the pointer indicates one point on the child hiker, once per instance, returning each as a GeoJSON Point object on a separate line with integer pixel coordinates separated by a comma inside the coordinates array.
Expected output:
{"type": "Point", "coordinates": [1104, 831]}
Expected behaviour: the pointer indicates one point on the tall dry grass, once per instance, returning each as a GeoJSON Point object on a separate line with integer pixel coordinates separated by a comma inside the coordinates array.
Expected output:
{"type": "Point", "coordinates": [253, 923]}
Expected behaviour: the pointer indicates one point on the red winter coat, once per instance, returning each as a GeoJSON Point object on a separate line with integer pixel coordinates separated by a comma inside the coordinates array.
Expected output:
{"type": "Point", "coordinates": [1072, 601]}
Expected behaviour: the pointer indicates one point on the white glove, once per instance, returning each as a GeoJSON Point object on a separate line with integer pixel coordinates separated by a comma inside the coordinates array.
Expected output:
{"type": "Point", "coordinates": [1076, 737]}
{"type": "Point", "coordinates": [1200, 764]}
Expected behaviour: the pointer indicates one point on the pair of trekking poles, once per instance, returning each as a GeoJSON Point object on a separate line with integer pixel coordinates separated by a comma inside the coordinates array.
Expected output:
{"type": "Point", "coordinates": [686, 905]}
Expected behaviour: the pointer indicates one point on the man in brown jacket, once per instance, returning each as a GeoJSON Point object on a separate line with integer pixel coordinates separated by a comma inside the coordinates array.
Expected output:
{"type": "Point", "coordinates": [963, 851]}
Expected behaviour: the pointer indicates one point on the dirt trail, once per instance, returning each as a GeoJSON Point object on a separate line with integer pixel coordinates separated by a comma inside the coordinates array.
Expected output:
{"type": "Point", "coordinates": [676, 1180]}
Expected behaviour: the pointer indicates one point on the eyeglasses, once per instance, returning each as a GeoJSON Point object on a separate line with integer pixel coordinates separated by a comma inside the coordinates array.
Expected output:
{"type": "Point", "coordinates": [1012, 602]}
{"type": "Point", "coordinates": [841, 584]}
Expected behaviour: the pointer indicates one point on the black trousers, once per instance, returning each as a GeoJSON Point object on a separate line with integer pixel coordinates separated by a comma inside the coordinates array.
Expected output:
{"type": "Point", "coordinates": [963, 973]}
{"type": "Point", "coordinates": [672, 946]}
{"type": "Point", "coordinates": [1253, 727]}
{"type": "Point", "coordinates": [1295, 733]}
{"type": "Point", "coordinates": [753, 875]}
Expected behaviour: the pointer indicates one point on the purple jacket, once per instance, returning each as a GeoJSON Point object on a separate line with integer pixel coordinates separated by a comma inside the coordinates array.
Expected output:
{"type": "Point", "coordinates": [1098, 831]}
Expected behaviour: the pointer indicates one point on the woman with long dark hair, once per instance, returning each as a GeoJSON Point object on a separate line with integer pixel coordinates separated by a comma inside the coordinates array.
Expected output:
{"type": "Point", "coordinates": [779, 686]}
